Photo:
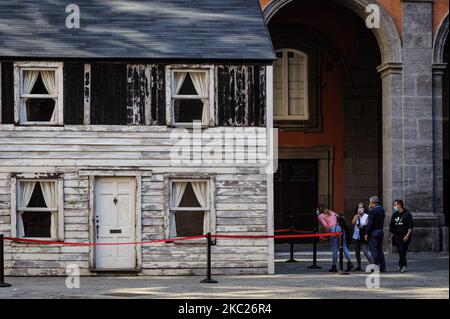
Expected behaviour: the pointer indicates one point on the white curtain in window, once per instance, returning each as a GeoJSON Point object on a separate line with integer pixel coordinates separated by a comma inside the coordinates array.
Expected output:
{"type": "Point", "coordinates": [201, 193]}
{"type": "Point", "coordinates": [178, 189]}
{"type": "Point", "coordinates": [178, 81]}
{"type": "Point", "coordinates": [201, 86]}
{"type": "Point", "coordinates": [26, 189]}
{"type": "Point", "coordinates": [28, 81]}
{"type": "Point", "coordinates": [49, 79]}
{"type": "Point", "coordinates": [49, 192]}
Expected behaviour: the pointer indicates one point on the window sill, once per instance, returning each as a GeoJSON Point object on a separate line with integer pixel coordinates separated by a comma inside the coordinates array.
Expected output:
{"type": "Point", "coordinates": [18, 243]}
{"type": "Point", "coordinates": [193, 242]}
{"type": "Point", "coordinates": [39, 126]}
{"type": "Point", "coordinates": [297, 125]}
{"type": "Point", "coordinates": [190, 126]}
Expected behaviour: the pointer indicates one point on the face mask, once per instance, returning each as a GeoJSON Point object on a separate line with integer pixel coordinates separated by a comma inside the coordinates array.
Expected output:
{"type": "Point", "coordinates": [395, 210]}
{"type": "Point", "coordinates": [361, 210]}
{"type": "Point", "coordinates": [317, 212]}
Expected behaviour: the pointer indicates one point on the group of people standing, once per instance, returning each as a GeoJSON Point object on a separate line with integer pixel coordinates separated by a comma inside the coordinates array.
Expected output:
{"type": "Point", "coordinates": [368, 233]}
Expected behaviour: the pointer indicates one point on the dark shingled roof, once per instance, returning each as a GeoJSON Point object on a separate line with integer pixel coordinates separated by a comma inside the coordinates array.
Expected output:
{"type": "Point", "coordinates": [141, 29]}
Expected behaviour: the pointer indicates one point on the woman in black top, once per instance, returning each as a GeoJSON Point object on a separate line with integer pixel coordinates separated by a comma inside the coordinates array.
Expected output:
{"type": "Point", "coordinates": [401, 228]}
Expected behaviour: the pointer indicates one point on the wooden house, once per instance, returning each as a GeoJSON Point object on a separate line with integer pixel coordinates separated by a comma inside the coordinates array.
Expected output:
{"type": "Point", "coordinates": [91, 98]}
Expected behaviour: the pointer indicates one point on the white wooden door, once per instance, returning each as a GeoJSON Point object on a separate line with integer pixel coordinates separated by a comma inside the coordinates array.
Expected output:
{"type": "Point", "coordinates": [115, 222]}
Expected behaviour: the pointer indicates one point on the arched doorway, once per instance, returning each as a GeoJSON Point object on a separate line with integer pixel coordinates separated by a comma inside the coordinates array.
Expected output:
{"type": "Point", "coordinates": [446, 111]}
{"type": "Point", "coordinates": [441, 124]}
{"type": "Point", "coordinates": [336, 121]}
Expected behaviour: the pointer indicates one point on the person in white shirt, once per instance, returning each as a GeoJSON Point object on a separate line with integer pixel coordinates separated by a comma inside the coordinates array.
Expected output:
{"type": "Point", "coordinates": [359, 222]}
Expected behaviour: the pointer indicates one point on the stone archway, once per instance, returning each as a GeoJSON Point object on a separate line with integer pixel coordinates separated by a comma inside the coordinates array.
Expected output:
{"type": "Point", "coordinates": [390, 70]}
{"type": "Point", "coordinates": [411, 73]}
{"type": "Point", "coordinates": [387, 35]}
{"type": "Point", "coordinates": [440, 39]}
{"type": "Point", "coordinates": [440, 76]}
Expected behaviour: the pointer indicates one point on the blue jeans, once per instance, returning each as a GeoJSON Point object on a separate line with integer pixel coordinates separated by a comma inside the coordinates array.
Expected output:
{"type": "Point", "coordinates": [376, 248]}
{"type": "Point", "coordinates": [335, 244]}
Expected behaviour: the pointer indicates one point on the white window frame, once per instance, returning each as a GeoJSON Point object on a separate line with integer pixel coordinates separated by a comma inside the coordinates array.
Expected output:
{"type": "Point", "coordinates": [57, 222]}
{"type": "Point", "coordinates": [285, 87]}
{"type": "Point", "coordinates": [210, 209]}
{"type": "Point", "coordinates": [19, 68]}
{"type": "Point", "coordinates": [171, 97]}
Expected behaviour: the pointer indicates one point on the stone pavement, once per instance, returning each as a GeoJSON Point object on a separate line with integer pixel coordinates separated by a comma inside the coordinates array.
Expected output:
{"type": "Point", "coordinates": [428, 278]}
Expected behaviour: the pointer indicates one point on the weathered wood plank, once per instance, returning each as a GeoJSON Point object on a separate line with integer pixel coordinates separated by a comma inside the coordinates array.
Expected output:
{"type": "Point", "coordinates": [137, 93]}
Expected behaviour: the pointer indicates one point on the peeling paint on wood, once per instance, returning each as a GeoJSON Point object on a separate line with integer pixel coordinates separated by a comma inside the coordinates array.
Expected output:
{"type": "Point", "coordinates": [87, 94]}
{"type": "Point", "coordinates": [158, 95]}
{"type": "Point", "coordinates": [240, 91]}
{"type": "Point", "coordinates": [137, 93]}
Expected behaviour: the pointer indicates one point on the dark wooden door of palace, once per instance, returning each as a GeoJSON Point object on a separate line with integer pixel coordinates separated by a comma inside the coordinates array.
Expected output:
{"type": "Point", "coordinates": [295, 194]}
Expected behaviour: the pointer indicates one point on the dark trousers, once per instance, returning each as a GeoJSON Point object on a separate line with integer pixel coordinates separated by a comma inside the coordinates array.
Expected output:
{"type": "Point", "coordinates": [361, 245]}
{"type": "Point", "coordinates": [376, 248]}
{"type": "Point", "coordinates": [402, 248]}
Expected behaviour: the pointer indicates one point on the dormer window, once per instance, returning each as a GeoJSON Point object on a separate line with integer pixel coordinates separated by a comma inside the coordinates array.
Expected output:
{"type": "Point", "coordinates": [191, 96]}
{"type": "Point", "coordinates": [38, 93]}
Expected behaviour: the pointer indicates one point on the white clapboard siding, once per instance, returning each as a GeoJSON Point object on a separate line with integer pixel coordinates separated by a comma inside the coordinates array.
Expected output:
{"type": "Point", "coordinates": [240, 197]}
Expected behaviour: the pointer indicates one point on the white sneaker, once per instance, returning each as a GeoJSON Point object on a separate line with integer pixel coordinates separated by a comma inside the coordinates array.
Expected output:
{"type": "Point", "coordinates": [404, 269]}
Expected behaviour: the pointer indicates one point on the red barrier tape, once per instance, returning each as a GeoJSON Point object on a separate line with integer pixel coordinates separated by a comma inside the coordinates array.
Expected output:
{"type": "Point", "coordinates": [46, 242]}
{"type": "Point", "coordinates": [63, 243]}
{"type": "Point", "coordinates": [277, 236]}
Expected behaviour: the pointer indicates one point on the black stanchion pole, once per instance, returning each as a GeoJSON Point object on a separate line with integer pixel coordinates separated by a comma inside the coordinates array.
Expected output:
{"type": "Point", "coordinates": [3, 284]}
{"type": "Point", "coordinates": [291, 244]}
{"type": "Point", "coordinates": [208, 279]}
{"type": "Point", "coordinates": [315, 240]}
{"type": "Point", "coordinates": [341, 255]}
{"type": "Point", "coordinates": [292, 259]}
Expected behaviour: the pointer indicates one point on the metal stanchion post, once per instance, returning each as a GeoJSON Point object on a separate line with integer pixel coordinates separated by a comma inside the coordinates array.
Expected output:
{"type": "Point", "coordinates": [3, 284]}
{"type": "Point", "coordinates": [315, 240]}
{"type": "Point", "coordinates": [291, 243]}
{"type": "Point", "coordinates": [208, 279]}
{"type": "Point", "coordinates": [341, 255]}
{"type": "Point", "coordinates": [292, 259]}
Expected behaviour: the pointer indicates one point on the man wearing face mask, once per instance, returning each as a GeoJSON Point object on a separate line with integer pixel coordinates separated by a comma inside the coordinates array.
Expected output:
{"type": "Point", "coordinates": [375, 233]}
{"type": "Point", "coordinates": [360, 221]}
{"type": "Point", "coordinates": [400, 229]}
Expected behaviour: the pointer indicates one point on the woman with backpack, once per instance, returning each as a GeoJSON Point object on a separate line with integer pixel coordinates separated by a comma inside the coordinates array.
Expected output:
{"type": "Point", "coordinates": [359, 222]}
{"type": "Point", "coordinates": [334, 223]}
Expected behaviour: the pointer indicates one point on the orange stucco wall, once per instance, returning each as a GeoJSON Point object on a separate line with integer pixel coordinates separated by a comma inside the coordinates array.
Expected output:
{"type": "Point", "coordinates": [394, 7]}
{"type": "Point", "coordinates": [440, 10]}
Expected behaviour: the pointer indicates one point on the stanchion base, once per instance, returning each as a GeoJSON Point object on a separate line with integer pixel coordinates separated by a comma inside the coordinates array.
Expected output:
{"type": "Point", "coordinates": [209, 281]}
{"type": "Point", "coordinates": [292, 261]}
{"type": "Point", "coordinates": [314, 267]}
{"type": "Point", "coordinates": [4, 285]}
{"type": "Point", "coordinates": [343, 273]}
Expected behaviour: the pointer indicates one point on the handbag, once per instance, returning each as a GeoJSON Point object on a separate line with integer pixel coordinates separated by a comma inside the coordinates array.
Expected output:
{"type": "Point", "coordinates": [343, 224]}
{"type": "Point", "coordinates": [362, 230]}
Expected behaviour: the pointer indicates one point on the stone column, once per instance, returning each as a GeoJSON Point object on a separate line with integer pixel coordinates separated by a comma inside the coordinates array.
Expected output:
{"type": "Point", "coordinates": [392, 128]}
{"type": "Point", "coordinates": [438, 140]}
{"type": "Point", "coordinates": [418, 181]}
